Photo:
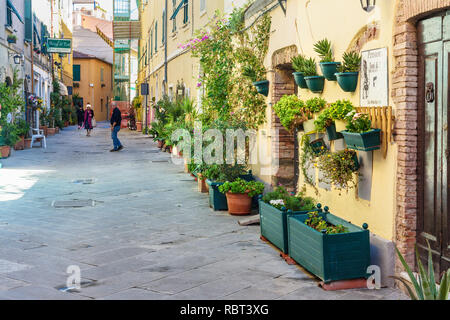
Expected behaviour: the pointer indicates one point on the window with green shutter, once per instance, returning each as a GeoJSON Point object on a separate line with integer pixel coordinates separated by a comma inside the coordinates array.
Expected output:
{"type": "Point", "coordinates": [76, 72]}
{"type": "Point", "coordinates": [156, 37]}
{"type": "Point", "coordinates": [28, 21]}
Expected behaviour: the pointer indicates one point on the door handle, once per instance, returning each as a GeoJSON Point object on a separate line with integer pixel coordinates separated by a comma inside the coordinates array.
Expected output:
{"type": "Point", "coordinates": [429, 94]}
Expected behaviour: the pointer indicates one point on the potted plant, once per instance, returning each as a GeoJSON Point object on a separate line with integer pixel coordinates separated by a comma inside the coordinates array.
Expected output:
{"type": "Point", "coordinates": [22, 130]}
{"type": "Point", "coordinates": [327, 64]}
{"type": "Point", "coordinates": [9, 138]}
{"type": "Point", "coordinates": [257, 78]}
{"type": "Point", "coordinates": [291, 111]}
{"type": "Point", "coordinates": [329, 247]}
{"type": "Point", "coordinates": [347, 77]}
{"type": "Point", "coordinates": [274, 207]}
{"type": "Point", "coordinates": [334, 117]}
{"type": "Point", "coordinates": [298, 63]}
{"type": "Point", "coordinates": [312, 107]}
{"type": "Point", "coordinates": [12, 38]}
{"type": "Point", "coordinates": [338, 168]}
{"type": "Point", "coordinates": [314, 82]}
{"type": "Point", "coordinates": [359, 134]}
{"type": "Point", "coordinates": [239, 195]}
{"type": "Point", "coordinates": [137, 105]}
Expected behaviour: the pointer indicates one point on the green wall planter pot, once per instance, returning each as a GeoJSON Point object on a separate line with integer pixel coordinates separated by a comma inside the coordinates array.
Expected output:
{"type": "Point", "coordinates": [12, 40]}
{"type": "Point", "coordinates": [217, 200]}
{"type": "Point", "coordinates": [347, 80]}
{"type": "Point", "coordinates": [273, 224]}
{"type": "Point", "coordinates": [330, 257]}
{"type": "Point", "coordinates": [332, 133]}
{"type": "Point", "coordinates": [366, 141]}
{"type": "Point", "coordinates": [315, 84]}
{"type": "Point", "coordinates": [329, 69]}
{"type": "Point", "coordinates": [317, 145]}
{"type": "Point", "coordinates": [262, 87]}
{"type": "Point", "coordinates": [300, 80]}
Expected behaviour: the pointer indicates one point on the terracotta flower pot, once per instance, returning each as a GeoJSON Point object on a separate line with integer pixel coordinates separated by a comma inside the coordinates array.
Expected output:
{"type": "Point", "coordinates": [239, 203]}
{"type": "Point", "coordinates": [5, 151]}
{"type": "Point", "coordinates": [27, 144]}
{"type": "Point", "coordinates": [138, 126]}
{"type": "Point", "coordinates": [51, 131]}
{"type": "Point", "coordinates": [160, 144]}
{"type": "Point", "coordinates": [45, 128]}
{"type": "Point", "coordinates": [66, 124]}
{"type": "Point", "coordinates": [20, 145]}
{"type": "Point", "coordinates": [202, 186]}
{"type": "Point", "coordinates": [57, 130]}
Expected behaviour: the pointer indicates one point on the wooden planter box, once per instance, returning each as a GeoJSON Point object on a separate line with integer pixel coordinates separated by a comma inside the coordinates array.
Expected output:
{"type": "Point", "coordinates": [330, 257]}
{"type": "Point", "coordinates": [273, 224]}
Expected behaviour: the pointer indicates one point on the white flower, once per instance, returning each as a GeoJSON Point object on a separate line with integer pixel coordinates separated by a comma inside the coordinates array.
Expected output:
{"type": "Point", "coordinates": [279, 202]}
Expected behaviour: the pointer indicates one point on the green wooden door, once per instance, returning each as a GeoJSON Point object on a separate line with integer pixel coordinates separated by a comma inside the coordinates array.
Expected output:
{"type": "Point", "coordinates": [434, 69]}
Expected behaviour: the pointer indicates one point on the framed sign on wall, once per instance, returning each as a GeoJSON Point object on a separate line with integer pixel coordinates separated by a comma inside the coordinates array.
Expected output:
{"type": "Point", "coordinates": [374, 88]}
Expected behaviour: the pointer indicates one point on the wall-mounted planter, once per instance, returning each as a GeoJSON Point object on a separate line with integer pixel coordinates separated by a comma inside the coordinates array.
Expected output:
{"type": "Point", "coordinates": [347, 80]}
{"type": "Point", "coordinates": [262, 87]}
{"type": "Point", "coordinates": [329, 69]}
{"type": "Point", "coordinates": [366, 141]}
{"type": "Point", "coordinates": [318, 146]}
{"type": "Point", "coordinates": [12, 40]}
{"type": "Point", "coordinates": [300, 80]}
{"type": "Point", "coordinates": [315, 83]}
{"type": "Point", "coordinates": [217, 200]}
{"type": "Point", "coordinates": [332, 133]}
{"type": "Point", "coordinates": [330, 257]}
{"type": "Point", "coordinates": [273, 224]}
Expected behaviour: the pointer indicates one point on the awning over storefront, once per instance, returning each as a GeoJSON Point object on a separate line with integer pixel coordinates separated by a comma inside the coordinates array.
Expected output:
{"type": "Point", "coordinates": [63, 89]}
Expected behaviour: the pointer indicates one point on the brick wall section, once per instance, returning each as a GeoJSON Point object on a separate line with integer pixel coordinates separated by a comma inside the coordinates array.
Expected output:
{"type": "Point", "coordinates": [404, 91]}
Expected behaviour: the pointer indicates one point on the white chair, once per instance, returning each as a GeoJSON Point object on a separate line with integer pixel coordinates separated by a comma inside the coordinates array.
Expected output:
{"type": "Point", "coordinates": [38, 134]}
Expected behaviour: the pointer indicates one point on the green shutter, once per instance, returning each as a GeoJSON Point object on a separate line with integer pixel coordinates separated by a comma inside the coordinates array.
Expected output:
{"type": "Point", "coordinates": [28, 21]}
{"type": "Point", "coordinates": [156, 37]}
{"type": "Point", "coordinates": [76, 72]}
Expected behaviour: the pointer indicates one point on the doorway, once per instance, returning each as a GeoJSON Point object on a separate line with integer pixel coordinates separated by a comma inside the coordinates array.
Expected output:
{"type": "Point", "coordinates": [434, 70]}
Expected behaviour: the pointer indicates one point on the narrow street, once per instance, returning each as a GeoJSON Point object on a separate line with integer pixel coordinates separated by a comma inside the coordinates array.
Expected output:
{"type": "Point", "coordinates": [146, 234]}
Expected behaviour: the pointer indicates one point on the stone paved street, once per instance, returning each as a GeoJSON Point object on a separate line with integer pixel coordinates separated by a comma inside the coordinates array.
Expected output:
{"type": "Point", "coordinates": [149, 235]}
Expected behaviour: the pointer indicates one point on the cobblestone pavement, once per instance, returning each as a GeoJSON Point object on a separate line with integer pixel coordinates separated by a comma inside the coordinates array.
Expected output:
{"type": "Point", "coordinates": [149, 235]}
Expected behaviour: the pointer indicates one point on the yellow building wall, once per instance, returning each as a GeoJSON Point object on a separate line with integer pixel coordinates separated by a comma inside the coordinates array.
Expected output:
{"type": "Point", "coordinates": [90, 73]}
{"type": "Point", "coordinates": [305, 23]}
{"type": "Point", "coordinates": [67, 60]}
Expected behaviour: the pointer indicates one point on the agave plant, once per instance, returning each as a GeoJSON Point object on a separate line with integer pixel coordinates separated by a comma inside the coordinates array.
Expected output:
{"type": "Point", "coordinates": [424, 288]}
{"type": "Point", "coordinates": [350, 62]}
{"type": "Point", "coordinates": [323, 48]}
{"type": "Point", "coordinates": [298, 63]}
{"type": "Point", "coordinates": [309, 67]}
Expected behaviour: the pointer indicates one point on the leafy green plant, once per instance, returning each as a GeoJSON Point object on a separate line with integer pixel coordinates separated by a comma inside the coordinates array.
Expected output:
{"type": "Point", "coordinates": [323, 48]}
{"type": "Point", "coordinates": [252, 188]}
{"type": "Point", "coordinates": [351, 62]}
{"type": "Point", "coordinates": [307, 160]}
{"type": "Point", "coordinates": [290, 110]}
{"type": "Point", "coordinates": [224, 172]}
{"type": "Point", "coordinates": [9, 134]}
{"type": "Point", "coordinates": [340, 109]}
{"type": "Point", "coordinates": [315, 105]}
{"type": "Point", "coordinates": [280, 198]}
{"type": "Point", "coordinates": [425, 287]}
{"type": "Point", "coordinates": [316, 222]}
{"type": "Point", "coordinates": [310, 68]}
{"type": "Point", "coordinates": [358, 122]}
{"type": "Point", "coordinates": [298, 63]}
{"type": "Point", "coordinates": [323, 121]}
{"type": "Point", "coordinates": [337, 168]}
{"type": "Point", "coordinates": [250, 72]}
{"type": "Point", "coordinates": [22, 127]}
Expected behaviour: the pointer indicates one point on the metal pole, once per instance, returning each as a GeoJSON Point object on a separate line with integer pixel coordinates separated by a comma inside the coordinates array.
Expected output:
{"type": "Point", "coordinates": [146, 114]}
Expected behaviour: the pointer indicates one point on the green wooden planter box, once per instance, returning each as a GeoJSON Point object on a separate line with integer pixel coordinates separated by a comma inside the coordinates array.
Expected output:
{"type": "Point", "coordinates": [273, 224]}
{"type": "Point", "coordinates": [262, 87]}
{"type": "Point", "coordinates": [330, 257]}
{"type": "Point", "coordinates": [366, 141]}
{"type": "Point", "coordinates": [329, 69]}
{"type": "Point", "coordinates": [300, 80]}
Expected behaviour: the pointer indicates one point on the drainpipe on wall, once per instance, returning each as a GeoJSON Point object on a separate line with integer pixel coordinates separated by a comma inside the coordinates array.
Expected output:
{"type": "Point", "coordinates": [166, 83]}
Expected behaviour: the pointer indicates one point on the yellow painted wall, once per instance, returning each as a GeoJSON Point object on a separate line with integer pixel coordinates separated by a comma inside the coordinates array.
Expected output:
{"type": "Point", "coordinates": [90, 73]}
{"type": "Point", "coordinates": [339, 21]}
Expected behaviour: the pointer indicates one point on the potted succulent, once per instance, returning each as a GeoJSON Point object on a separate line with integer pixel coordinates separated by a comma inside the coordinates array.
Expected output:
{"type": "Point", "coordinates": [314, 82]}
{"type": "Point", "coordinates": [347, 77]}
{"type": "Point", "coordinates": [291, 111]}
{"type": "Point", "coordinates": [329, 247]}
{"type": "Point", "coordinates": [239, 195]}
{"type": "Point", "coordinates": [257, 78]}
{"type": "Point", "coordinates": [313, 107]}
{"type": "Point", "coordinates": [327, 64]}
{"type": "Point", "coordinates": [359, 134]}
{"type": "Point", "coordinates": [12, 38]}
{"type": "Point", "coordinates": [298, 63]}
{"type": "Point", "coordinates": [274, 208]}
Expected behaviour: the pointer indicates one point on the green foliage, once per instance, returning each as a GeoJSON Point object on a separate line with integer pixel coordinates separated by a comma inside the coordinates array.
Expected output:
{"type": "Point", "coordinates": [22, 127]}
{"type": "Point", "coordinates": [337, 168]}
{"type": "Point", "coordinates": [289, 201]}
{"type": "Point", "coordinates": [252, 188]}
{"type": "Point", "coordinates": [340, 109]}
{"type": "Point", "coordinates": [358, 122]}
{"type": "Point", "coordinates": [9, 134]}
{"type": "Point", "coordinates": [351, 62]}
{"type": "Point", "coordinates": [323, 48]}
{"type": "Point", "coordinates": [310, 68]}
{"type": "Point", "coordinates": [316, 222]}
{"type": "Point", "coordinates": [425, 287]}
{"type": "Point", "coordinates": [323, 121]}
{"type": "Point", "coordinates": [290, 110]}
{"type": "Point", "coordinates": [315, 105]}
{"type": "Point", "coordinates": [10, 99]}
{"type": "Point", "coordinates": [307, 160]}
{"type": "Point", "coordinates": [137, 106]}
{"type": "Point", "coordinates": [224, 172]}
{"type": "Point", "coordinates": [298, 63]}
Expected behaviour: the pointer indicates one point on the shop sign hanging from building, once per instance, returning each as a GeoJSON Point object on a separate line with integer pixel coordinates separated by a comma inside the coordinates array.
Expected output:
{"type": "Point", "coordinates": [374, 87]}
{"type": "Point", "coordinates": [59, 45]}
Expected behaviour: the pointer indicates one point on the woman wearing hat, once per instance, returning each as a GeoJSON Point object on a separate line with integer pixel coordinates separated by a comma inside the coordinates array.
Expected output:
{"type": "Point", "coordinates": [88, 116]}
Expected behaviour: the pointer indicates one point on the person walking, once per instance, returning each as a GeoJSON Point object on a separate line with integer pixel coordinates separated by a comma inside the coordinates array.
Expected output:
{"type": "Point", "coordinates": [88, 116]}
{"type": "Point", "coordinates": [116, 119]}
{"type": "Point", "coordinates": [80, 116]}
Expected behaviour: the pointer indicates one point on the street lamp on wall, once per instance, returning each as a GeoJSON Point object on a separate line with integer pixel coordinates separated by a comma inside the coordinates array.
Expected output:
{"type": "Point", "coordinates": [368, 5]}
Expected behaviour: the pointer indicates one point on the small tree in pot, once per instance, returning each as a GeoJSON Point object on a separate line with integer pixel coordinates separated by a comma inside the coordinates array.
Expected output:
{"type": "Point", "coordinates": [239, 195]}
{"type": "Point", "coordinates": [327, 64]}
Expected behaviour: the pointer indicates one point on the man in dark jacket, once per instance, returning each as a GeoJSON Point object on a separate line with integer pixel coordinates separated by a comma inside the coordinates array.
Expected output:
{"type": "Point", "coordinates": [116, 119]}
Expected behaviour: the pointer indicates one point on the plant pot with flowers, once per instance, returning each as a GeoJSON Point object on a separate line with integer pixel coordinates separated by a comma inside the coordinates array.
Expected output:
{"type": "Point", "coordinates": [291, 112]}
{"type": "Point", "coordinates": [257, 74]}
{"type": "Point", "coordinates": [12, 38]}
{"type": "Point", "coordinates": [298, 63]}
{"type": "Point", "coordinates": [359, 134]}
{"type": "Point", "coordinates": [327, 64]}
{"type": "Point", "coordinates": [239, 195]}
{"type": "Point", "coordinates": [347, 77]}
{"type": "Point", "coordinates": [314, 82]}
{"type": "Point", "coordinates": [274, 208]}
{"type": "Point", "coordinates": [333, 119]}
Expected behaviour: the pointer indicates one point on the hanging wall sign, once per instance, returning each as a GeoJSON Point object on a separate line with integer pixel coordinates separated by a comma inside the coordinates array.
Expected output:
{"type": "Point", "coordinates": [374, 78]}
